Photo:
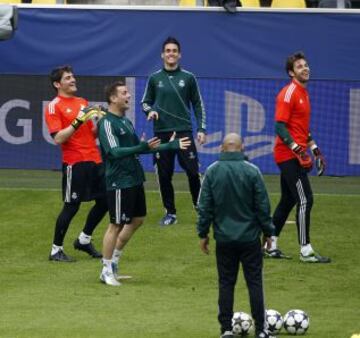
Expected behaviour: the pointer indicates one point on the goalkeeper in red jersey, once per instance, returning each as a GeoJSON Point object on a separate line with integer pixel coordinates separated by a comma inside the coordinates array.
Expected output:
{"type": "Point", "coordinates": [69, 123]}
{"type": "Point", "coordinates": [293, 138]}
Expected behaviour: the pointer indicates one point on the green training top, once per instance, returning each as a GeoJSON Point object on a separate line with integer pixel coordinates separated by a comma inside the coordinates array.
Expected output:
{"type": "Point", "coordinates": [170, 93]}
{"type": "Point", "coordinates": [120, 147]}
{"type": "Point", "coordinates": [234, 199]}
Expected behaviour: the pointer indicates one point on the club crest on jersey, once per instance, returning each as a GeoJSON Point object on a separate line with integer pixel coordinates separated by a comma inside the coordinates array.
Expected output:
{"type": "Point", "coordinates": [301, 101]}
{"type": "Point", "coordinates": [122, 131]}
{"type": "Point", "coordinates": [68, 111]}
{"type": "Point", "coordinates": [160, 84]}
{"type": "Point", "coordinates": [181, 83]}
{"type": "Point", "coordinates": [74, 196]}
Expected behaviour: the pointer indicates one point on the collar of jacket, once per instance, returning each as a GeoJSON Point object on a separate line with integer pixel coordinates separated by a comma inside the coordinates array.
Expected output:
{"type": "Point", "coordinates": [177, 69]}
{"type": "Point", "coordinates": [232, 156]}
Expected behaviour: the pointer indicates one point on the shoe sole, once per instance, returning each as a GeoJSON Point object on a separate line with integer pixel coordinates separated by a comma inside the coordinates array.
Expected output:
{"type": "Point", "coordinates": [165, 225]}
{"type": "Point", "coordinates": [277, 257]}
{"type": "Point", "coordinates": [315, 261]}
{"type": "Point", "coordinates": [73, 260]}
{"type": "Point", "coordinates": [102, 280]}
{"type": "Point", "coordinates": [123, 277]}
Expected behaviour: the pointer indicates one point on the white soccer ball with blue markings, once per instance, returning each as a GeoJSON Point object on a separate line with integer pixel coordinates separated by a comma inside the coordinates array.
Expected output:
{"type": "Point", "coordinates": [274, 321]}
{"type": "Point", "coordinates": [296, 322]}
{"type": "Point", "coordinates": [241, 323]}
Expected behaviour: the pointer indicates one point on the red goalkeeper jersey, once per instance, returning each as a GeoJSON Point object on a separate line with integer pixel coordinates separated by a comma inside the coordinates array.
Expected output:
{"type": "Point", "coordinates": [81, 146]}
{"type": "Point", "coordinates": [292, 108]}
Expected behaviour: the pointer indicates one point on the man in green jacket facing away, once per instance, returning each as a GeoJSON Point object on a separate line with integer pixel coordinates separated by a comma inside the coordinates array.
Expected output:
{"type": "Point", "coordinates": [234, 199]}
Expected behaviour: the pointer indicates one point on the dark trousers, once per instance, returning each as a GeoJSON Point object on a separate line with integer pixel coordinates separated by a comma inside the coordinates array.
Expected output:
{"type": "Point", "coordinates": [165, 162]}
{"type": "Point", "coordinates": [68, 212]}
{"type": "Point", "coordinates": [295, 190]}
{"type": "Point", "coordinates": [228, 258]}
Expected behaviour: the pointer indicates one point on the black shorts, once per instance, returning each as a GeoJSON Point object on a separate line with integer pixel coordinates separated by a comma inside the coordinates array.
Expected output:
{"type": "Point", "coordinates": [83, 182]}
{"type": "Point", "coordinates": [125, 204]}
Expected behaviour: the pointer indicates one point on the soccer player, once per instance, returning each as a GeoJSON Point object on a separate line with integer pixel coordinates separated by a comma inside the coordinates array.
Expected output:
{"type": "Point", "coordinates": [83, 175]}
{"type": "Point", "coordinates": [234, 200]}
{"type": "Point", "coordinates": [169, 95]}
{"type": "Point", "coordinates": [293, 137]}
{"type": "Point", "coordinates": [120, 148]}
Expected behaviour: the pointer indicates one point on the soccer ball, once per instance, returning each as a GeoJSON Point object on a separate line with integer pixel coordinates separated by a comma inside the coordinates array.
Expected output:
{"type": "Point", "coordinates": [241, 323]}
{"type": "Point", "coordinates": [296, 322]}
{"type": "Point", "coordinates": [274, 321]}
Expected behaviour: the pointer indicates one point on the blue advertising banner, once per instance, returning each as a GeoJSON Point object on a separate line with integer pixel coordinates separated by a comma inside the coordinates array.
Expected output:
{"type": "Point", "coordinates": [242, 106]}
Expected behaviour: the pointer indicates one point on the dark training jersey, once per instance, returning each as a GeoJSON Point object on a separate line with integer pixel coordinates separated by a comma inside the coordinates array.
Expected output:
{"type": "Point", "coordinates": [170, 94]}
{"type": "Point", "coordinates": [120, 147]}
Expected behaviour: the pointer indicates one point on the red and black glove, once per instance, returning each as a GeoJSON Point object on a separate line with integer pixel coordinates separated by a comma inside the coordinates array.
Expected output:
{"type": "Point", "coordinates": [302, 156]}
{"type": "Point", "coordinates": [320, 163]}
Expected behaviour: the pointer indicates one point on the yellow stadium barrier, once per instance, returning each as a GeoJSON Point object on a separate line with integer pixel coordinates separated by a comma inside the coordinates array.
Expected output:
{"type": "Point", "coordinates": [288, 4]}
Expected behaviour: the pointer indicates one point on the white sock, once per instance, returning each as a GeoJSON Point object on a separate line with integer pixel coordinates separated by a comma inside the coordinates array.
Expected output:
{"type": "Point", "coordinates": [306, 249]}
{"type": "Point", "coordinates": [172, 215]}
{"type": "Point", "coordinates": [116, 256]}
{"type": "Point", "coordinates": [55, 249]}
{"type": "Point", "coordinates": [84, 239]}
{"type": "Point", "coordinates": [274, 240]}
{"type": "Point", "coordinates": [106, 265]}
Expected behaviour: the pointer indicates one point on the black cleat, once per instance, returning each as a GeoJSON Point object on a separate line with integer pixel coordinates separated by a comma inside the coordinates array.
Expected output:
{"type": "Point", "coordinates": [60, 256]}
{"type": "Point", "coordinates": [88, 248]}
{"type": "Point", "coordinates": [276, 253]}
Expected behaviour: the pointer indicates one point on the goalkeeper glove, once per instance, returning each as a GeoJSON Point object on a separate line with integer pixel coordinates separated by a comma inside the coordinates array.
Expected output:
{"type": "Point", "coordinates": [301, 155]}
{"type": "Point", "coordinates": [87, 114]}
{"type": "Point", "coordinates": [320, 163]}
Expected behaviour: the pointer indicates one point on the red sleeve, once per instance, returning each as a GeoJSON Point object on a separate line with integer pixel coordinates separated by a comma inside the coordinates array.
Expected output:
{"type": "Point", "coordinates": [53, 118]}
{"type": "Point", "coordinates": [283, 106]}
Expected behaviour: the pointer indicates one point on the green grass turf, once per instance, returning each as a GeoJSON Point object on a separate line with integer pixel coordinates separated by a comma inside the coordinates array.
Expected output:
{"type": "Point", "coordinates": [174, 289]}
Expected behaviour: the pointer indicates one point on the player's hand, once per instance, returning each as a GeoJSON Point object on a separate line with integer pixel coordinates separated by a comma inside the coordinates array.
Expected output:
{"type": "Point", "coordinates": [153, 115]}
{"type": "Point", "coordinates": [204, 245]}
{"type": "Point", "coordinates": [320, 163]}
{"type": "Point", "coordinates": [266, 242]}
{"type": "Point", "coordinates": [184, 143]}
{"type": "Point", "coordinates": [173, 137]}
{"type": "Point", "coordinates": [201, 137]}
{"type": "Point", "coordinates": [301, 155]}
{"type": "Point", "coordinates": [153, 142]}
{"type": "Point", "coordinates": [86, 114]}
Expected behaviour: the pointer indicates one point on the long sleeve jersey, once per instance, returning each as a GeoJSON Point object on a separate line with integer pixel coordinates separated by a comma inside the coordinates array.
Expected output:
{"type": "Point", "coordinates": [120, 149]}
{"type": "Point", "coordinates": [172, 94]}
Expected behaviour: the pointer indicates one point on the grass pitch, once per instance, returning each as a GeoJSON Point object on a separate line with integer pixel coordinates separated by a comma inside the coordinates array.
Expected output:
{"type": "Point", "coordinates": [173, 292]}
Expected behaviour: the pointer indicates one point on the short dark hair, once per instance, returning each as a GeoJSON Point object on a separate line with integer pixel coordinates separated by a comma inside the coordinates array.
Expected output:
{"type": "Point", "coordinates": [171, 39]}
{"type": "Point", "coordinates": [289, 66]}
{"type": "Point", "coordinates": [57, 73]}
{"type": "Point", "coordinates": [111, 89]}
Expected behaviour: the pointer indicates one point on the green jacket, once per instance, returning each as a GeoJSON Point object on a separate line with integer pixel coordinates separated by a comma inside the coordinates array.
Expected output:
{"type": "Point", "coordinates": [170, 93]}
{"type": "Point", "coordinates": [234, 199]}
{"type": "Point", "coordinates": [120, 147]}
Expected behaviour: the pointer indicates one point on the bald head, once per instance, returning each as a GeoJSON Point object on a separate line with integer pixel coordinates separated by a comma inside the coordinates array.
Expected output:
{"type": "Point", "coordinates": [231, 143]}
